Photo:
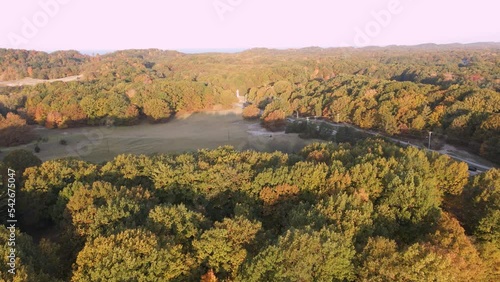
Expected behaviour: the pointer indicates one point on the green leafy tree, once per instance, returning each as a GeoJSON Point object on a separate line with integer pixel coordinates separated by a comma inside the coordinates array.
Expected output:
{"type": "Point", "coordinates": [408, 206]}
{"type": "Point", "coordinates": [20, 160]}
{"type": "Point", "coordinates": [176, 223]}
{"type": "Point", "coordinates": [481, 199]}
{"type": "Point", "coordinates": [102, 209]}
{"type": "Point", "coordinates": [157, 110]}
{"type": "Point", "coordinates": [382, 261]}
{"type": "Point", "coordinates": [42, 184]}
{"type": "Point", "coordinates": [132, 255]}
{"type": "Point", "coordinates": [452, 176]}
{"type": "Point", "coordinates": [31, 263]}
{"type": "Point", "coordinates": [303, 256]}
{"type": "Point", "coordinates": [222, 248]}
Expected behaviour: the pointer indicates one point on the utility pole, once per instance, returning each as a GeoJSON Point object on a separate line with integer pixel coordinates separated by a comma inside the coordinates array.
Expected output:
{"type": "Point", "coordinates": [338, 116]}
{"type": "Point", "coordinates": [430, 134]}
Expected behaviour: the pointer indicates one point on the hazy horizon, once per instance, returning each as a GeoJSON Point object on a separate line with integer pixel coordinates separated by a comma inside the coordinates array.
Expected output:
{"type": "Point", "coordinates": [92, 52]}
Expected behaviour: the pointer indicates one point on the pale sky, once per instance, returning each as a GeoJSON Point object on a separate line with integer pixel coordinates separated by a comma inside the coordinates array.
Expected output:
{"type": "Point", "coordinates": [224, 24]}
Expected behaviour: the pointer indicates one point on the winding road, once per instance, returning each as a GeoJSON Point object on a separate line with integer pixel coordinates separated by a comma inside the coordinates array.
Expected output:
{"type": "Point", "coordinates": [481, 167]}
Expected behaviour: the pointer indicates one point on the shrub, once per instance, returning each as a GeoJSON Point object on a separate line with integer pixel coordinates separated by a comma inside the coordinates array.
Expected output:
{"type": "Point", "coordinates": [251, 112]}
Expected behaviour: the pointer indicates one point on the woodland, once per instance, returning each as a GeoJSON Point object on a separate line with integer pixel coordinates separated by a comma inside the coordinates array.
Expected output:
{"type": "Point", "coordinates": [358, 209]}
{"type": "Point", "coordinates": [451, 90]}
{"type": "Point", "coordinates": [368, 211]}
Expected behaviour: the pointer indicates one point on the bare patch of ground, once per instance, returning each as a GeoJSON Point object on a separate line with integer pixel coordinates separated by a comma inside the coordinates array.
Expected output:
{"type": "Point", "coordinates": [34, 81]}
{"type": "Point", "coordinates": [198, 131]}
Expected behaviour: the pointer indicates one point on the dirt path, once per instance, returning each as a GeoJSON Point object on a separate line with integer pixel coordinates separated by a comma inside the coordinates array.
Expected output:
{"type": "Point", "coordinates": [455, 153]}
{"type": "Point", "coordinates": [34, 81]}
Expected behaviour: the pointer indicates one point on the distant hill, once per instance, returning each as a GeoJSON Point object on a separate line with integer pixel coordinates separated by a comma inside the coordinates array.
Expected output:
{"type": "Point", "coordinates": [18, 64]}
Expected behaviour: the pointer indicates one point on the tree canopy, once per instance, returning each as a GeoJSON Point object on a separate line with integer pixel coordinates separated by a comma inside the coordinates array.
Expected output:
{"type": "Point", "coordinates": [367, 211]}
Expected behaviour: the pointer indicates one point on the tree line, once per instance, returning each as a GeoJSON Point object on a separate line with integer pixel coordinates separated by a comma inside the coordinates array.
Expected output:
{"type": "Point", "coordinates": [445, 65]}
{"type": "Point", "coordinates": [18, 64]}
{"type": "Point", "coordinates": [449, 89]}
{"type": "Point", "coordinates": [463, 115]}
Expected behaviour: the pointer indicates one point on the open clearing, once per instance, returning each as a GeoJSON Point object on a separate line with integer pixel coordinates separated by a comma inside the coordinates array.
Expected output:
{"type": "Point", "coordinates": [198, 131]}
{"type": "Point", "coordinates": [189, 132]}
{"type": "Point", "coordinates": [34, 81]}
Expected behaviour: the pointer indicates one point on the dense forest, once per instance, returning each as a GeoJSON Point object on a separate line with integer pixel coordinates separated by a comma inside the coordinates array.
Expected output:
{"type": "Point", "coordinates": [18, 64]}
{"type": "Point", "coordinates": [467, 116]}
{"type": "Point", "coordinates": [349, 210]}
{"type": "Point", "coordinates": [452, 90]}
{"type": "Point", "coordinates": [369, 211]}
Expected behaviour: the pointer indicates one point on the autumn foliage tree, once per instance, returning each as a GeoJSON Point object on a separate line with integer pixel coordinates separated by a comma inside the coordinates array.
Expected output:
{"type": "Point", "coordinates": [157, 110]}
{"type": "Point", "coordinates": [251, 112]}
{"type": "Point", "coordinates": [274, 120]}
{"type": "Point", "coordinates": [14, 130]}
{"type": "Point", "coordinates": [133, 254]}
{"type": "Point", "coordinates": [366, 211]}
